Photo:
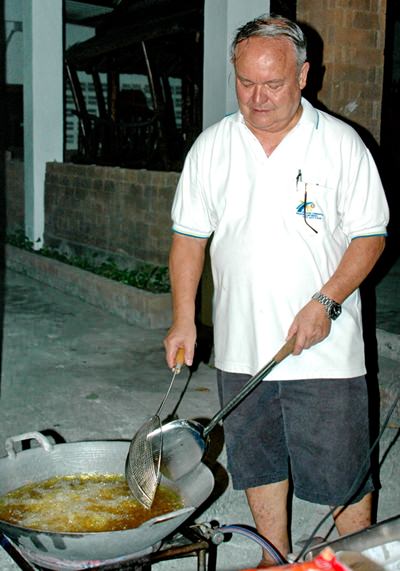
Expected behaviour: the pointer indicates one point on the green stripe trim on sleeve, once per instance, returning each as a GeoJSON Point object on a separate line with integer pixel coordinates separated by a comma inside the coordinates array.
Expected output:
{"type": "Point", "coordinates": [189, 235]}
{"type": "Point", "coordinates": [369, 236]}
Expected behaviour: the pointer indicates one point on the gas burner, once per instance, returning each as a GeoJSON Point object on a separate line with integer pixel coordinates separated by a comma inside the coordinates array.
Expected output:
{"type": "Point", "coordinates": [189, 541]}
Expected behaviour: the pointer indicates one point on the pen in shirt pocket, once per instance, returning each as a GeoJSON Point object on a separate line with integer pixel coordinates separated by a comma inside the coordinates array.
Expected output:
{"type": "Point", "coordinates": [299, 182]}
{"type": "Point", "coordinates": [304, 185]}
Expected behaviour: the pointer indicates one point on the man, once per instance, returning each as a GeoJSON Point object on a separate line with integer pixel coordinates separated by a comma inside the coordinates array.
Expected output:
{"type": "Point", "coordinates": [298, 216]}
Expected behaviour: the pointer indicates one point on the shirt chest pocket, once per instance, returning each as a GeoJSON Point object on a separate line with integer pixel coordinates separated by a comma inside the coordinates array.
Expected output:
{"type": "Point", "coordinates": [316, 206]}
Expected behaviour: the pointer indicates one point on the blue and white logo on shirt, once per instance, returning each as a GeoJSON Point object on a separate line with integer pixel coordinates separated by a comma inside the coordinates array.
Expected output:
{"type": "Point", "coordinates": [306, 209]}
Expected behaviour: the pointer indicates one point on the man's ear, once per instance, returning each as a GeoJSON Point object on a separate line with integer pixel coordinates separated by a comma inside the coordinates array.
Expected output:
{"type": "Point", "coordinates": [303, 75]}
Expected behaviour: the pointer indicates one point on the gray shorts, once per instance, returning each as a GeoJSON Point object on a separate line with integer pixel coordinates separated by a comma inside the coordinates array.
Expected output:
{"type": "Point", "coordinates": [314, 431]}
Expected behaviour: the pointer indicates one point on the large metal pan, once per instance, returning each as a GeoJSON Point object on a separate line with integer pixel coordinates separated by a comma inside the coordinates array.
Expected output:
{"type": "Point", "coordinates": [185, 441]}
{"type": "Point", "coordinates": [79, 550]}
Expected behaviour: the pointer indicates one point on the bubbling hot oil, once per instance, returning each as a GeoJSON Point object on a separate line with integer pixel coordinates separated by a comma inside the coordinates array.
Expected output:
{"type": "Point", "coordinates": [82, 503]}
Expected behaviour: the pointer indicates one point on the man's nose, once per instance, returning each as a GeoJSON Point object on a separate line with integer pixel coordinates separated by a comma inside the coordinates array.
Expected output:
{"type": "Point", "coordinates": [260, 94]}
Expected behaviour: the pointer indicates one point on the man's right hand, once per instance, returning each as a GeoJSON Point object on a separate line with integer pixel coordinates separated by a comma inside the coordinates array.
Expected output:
{"type": "Point", "coordinates": [180, 336]}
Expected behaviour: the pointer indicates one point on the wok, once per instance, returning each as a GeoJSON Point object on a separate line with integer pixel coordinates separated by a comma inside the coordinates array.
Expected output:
{"type": "Point", "coordinates": [78, 550]}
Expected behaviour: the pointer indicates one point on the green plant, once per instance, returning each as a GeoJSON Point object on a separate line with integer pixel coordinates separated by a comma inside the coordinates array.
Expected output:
{"type": "Point", "coordinates": [145, 276]}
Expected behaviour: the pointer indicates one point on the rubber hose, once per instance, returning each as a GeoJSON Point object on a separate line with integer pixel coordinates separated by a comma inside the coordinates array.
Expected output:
{"type": "Point", "coordinates": [264, 543]}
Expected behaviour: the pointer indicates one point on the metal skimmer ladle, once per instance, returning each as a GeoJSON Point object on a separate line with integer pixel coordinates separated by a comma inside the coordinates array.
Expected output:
{"type": "Point", "coordinates": [185, 441]}
{"type": "Point", "coordinates": [142, 466]}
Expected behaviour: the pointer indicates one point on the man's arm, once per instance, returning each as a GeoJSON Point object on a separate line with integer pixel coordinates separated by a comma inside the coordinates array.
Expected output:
{"type": "Point", "coordinates": [185, 266]}
{"type": "Point", "coordinates": [311, 325]}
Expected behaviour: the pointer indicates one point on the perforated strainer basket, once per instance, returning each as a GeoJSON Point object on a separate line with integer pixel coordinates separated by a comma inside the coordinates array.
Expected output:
{"type": "Point", "coordinates": [142, 466]}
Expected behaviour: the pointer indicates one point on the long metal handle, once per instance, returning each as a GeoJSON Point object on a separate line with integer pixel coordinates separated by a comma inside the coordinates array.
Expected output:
{"type": "Point", "coordinates": [251, 384]}
{"type": "Point", "coordinates": [179, 361]}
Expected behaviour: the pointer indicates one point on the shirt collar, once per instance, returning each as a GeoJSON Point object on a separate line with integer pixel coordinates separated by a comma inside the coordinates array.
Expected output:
{"type": "Point", "coordinates": [309, 115]}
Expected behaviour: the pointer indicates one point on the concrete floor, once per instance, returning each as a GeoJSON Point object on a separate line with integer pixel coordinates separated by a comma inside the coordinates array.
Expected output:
{"type": "Point", "coordinates": [76, 369]}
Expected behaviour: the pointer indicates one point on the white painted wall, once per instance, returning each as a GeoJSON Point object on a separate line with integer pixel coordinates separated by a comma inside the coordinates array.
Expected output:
{"type": "Point", "coordinates": [221, 20]}
{"type": "Point", "coordinates": [43, 104]}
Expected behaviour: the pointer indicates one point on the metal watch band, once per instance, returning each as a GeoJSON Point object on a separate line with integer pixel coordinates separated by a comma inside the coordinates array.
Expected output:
{"type": "Point", "coordinates": [333, 308]}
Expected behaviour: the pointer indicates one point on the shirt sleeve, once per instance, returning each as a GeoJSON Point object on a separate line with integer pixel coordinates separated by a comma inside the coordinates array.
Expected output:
{"type": "Point", "coordinates": [364, 206]}
{"type": "Point", "coordinates": [190, 209]}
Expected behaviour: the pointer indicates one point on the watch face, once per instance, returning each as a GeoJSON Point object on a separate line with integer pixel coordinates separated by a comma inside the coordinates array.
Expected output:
{"type": "Point", "coordinates": [335, 310]}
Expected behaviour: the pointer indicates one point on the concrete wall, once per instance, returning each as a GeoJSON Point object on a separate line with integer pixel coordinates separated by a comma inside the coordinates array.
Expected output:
{"type": "Point", "coordinates": [353, 34]}
{"type": "Point", "coordinates": [123, 213]}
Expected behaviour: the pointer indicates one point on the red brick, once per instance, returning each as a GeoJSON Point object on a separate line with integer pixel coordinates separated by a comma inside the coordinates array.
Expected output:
{"type": "Point", "coordinates": [365, 21]}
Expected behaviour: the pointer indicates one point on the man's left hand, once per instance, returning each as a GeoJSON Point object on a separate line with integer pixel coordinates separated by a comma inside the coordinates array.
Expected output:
{"type": "Point", "coordinates": [311, 326]}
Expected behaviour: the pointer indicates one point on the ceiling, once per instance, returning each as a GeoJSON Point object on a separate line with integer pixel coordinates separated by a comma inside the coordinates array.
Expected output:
{"type": "Point", "coordinates": [171, 30]}
{"type": "Point", "coordinates": [88, 12]}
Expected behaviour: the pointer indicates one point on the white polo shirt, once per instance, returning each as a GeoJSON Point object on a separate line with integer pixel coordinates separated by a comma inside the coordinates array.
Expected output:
{"type": "Point", "coordinates": [266, 261]}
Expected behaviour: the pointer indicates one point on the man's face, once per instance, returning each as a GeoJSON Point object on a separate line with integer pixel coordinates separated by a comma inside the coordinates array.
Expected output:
{"type": "Point", "coordinates": [268, 84]}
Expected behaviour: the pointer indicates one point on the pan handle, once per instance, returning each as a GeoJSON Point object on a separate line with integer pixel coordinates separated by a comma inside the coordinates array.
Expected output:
{"type": "Point", "coordinates": [251, 384]}
{"type": "Point", "coordinates": [286, 350]}
{"type": "Point", "coordinates": [179, 360]}
{"type": "Point", "coordinates": [12, 440]}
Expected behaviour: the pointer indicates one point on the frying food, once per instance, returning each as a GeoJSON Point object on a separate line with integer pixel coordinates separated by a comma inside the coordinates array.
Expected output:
{"type": "Point", "coordinates": [82, 503]}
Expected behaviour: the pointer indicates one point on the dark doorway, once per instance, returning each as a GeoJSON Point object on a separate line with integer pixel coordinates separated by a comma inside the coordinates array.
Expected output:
{"type": "Point", "coordinates": [3, 221]}
{"type": "Point", "coordinates": [390, 140]}
{"type": "Point", "coordinates": [286, 8]}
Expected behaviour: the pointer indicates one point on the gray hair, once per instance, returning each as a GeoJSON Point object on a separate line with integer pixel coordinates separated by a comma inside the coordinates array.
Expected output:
{"type": "Point", "coordinates": [273, 26]}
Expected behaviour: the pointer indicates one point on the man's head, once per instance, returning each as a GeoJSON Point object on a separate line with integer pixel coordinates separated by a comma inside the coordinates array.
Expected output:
{"type": "Point", "coordinates": [273, 27]}
{"type": "Point", "coordinates": [269, 55]}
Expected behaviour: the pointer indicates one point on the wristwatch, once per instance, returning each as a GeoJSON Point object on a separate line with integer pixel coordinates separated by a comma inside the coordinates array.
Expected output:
{"type": "Point", "coordinates": [333, 309]}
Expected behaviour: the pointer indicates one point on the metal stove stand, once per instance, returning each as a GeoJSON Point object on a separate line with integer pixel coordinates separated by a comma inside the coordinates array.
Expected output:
{"type": "Point", "coordinates": [189, 542]}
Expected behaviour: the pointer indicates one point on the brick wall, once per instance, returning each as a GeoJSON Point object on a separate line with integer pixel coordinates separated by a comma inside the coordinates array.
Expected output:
{"type": "Point", "coordinates": [121, 212]}
{"type": "Point", "coordinates": [353, 34]}
{"type": "Point", "coordinates": [15, 202]}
